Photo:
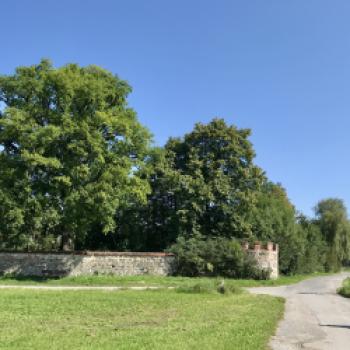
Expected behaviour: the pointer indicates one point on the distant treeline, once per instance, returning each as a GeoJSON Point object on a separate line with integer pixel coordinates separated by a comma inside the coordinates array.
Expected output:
{"type": "Point", "coordinates": [78, 171]}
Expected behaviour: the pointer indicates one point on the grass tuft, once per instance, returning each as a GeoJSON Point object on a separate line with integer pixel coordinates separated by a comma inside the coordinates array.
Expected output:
{"type": "Point", "coordinates": [344, 290]}
{"type": "Point", "coordinates": [209, 286]}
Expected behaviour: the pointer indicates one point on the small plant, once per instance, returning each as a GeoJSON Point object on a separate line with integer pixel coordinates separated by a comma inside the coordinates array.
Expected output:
{"type": "Point", "coordinates": [344, 290]}
{"type": "Point", "coordinates": [198, 288]}
{"type": "Point", "coordinates": [209, 286]}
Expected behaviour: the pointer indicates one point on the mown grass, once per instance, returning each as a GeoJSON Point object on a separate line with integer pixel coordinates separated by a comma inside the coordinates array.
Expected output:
{"type": "Point", "coordinates": [344, 290]}
{"type": "Point", "coordinates": [107, 280]}
{"type": "Point", "coordinates": [161, 319]}
{"type": "Point", "coordinates": [193, 315]}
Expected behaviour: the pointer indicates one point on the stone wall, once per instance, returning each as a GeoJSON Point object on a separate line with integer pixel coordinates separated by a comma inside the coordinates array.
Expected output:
{"type": "Point", "coordinates": [265, 255]}
{"type": "Point", "coordinates": [86, 263]}
{"type": "Point", "coordinates": [116, 263]}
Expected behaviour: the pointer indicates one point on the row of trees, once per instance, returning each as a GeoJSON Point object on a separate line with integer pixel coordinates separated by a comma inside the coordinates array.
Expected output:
{"type": "Point", "coordinates": [77, 170]}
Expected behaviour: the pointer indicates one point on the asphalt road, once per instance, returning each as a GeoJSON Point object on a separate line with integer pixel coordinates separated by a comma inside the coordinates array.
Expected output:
{"type": "Point", "coordinates": [316, 318]}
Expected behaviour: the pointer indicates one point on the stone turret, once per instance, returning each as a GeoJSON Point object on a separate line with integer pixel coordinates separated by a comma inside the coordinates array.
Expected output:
{"type": "Point", "coordinates": [266, 256]}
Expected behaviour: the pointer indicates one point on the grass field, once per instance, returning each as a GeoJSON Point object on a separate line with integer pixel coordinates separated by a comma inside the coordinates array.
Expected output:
{"type": "Point", "coordinates": [193, 315]}
{"type": "Point", "coordinates": [106, 280]}
{"type": "Point", "coordinates": [162, 319]}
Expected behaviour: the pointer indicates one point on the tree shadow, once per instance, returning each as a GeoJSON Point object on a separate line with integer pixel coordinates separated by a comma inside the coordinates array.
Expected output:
{"type": "Point", "coordinates": [21, 278]}
{"type": "Point", "coordinates": [336, 326]}
{"type": "Point", "coordinates": [37, 266]}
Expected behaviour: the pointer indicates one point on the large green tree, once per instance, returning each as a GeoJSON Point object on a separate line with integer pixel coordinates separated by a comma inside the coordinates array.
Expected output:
{"type": "Point", "coordinates": [218, 179]}
{"type": "Point", "coordinates": [332, 219]}
{"type": "Point", "coordinates": [70, 153]}
{"type": "Point", "coordinates": [202, 184]}
{"type": "Point", "coordinates": [313, 257]}
{"type": "Point", "coordinates": [273, 218]}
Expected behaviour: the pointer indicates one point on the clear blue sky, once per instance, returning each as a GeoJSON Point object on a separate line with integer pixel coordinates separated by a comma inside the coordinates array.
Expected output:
{"type": "Point", "coordinates": [281, 68]}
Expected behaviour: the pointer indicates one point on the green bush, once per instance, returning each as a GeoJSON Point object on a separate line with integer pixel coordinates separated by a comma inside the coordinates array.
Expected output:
{"type": "Point", "coordinates": [344, 290]}
{"type": "Point", "coordinates": [215, 257]}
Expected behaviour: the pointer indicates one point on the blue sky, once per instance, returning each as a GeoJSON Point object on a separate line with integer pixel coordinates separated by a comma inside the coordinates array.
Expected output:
{"type": "Point", "coordinates": [278, 67]}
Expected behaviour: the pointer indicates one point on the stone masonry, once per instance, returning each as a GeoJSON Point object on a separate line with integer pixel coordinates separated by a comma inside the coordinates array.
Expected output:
{"type": "Point", "coordinates": [114, 263]}
{"type": "Point", "coordinates": [265, 255]}
{"type": "Point", "coordinates": [86, 263]}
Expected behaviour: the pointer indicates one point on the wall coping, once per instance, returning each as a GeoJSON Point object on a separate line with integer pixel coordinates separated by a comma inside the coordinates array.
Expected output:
{"type": "Point", "coordinates": [93, 253]}
{"type": "Point", "coordinates": [258, 246]}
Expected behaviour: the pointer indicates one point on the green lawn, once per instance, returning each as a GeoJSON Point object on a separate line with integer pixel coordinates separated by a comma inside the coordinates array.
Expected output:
{"type": "Point", "coordinates": [162, 319]}
{"type": "Point", "coordinates": [106, 280]}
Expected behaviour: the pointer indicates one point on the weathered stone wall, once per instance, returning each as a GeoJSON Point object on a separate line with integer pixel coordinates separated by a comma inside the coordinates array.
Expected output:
{"type": "Point", "coordinates": [87, 263]}
{"type": "Point", "coordinates": [120, 264]}
{"type": "Point", "coordinates": [265, 255]}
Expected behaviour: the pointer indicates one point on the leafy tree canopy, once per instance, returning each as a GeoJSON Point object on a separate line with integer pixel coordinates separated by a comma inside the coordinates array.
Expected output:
{"type": "Point", "coordinates": [218, 178]}
{"type": "Point", "coordinates": [70, 152]}
{"type": "Point", "coordinates": [332, 219]}
{"type": "Point", "coordinates": [205, 183]}
{"type": "Point", "coordinates": [273, 219]}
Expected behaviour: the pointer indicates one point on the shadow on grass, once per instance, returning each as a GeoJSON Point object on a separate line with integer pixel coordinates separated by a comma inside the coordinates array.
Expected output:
{"type": "Point", "coordinates": [29, 279]}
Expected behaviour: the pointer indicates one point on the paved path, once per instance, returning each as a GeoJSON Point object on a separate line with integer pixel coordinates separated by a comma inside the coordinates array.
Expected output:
{"type": "Point", "coordinates": [316, 318]}
{"type": "Point", "coordinates": [102, 288]}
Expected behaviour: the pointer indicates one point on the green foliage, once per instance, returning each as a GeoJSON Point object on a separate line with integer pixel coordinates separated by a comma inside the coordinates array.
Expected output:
{"type": "Point", "coordinates": [331, 217]}
{"type": "Point", "coordinates": [214, 257]}
{"type": "Point", "coordinates": [153, 225]}
{"type": "Point", "coordinates": [70, 150]}
{"type": "Point", "coordinates": [273, 218]}
{"type": "Point", "coordinates": [204, 183]}
{"type": "Point", "coordinates": [344, 290]}
{"type": "Point", "coordinates": [209, 286]}
{"type": "Point", "coordinates": [75, 164]}
{"type": "Point", "coordinates": [313, 257]}
{"type": "Point", "coordinates": [302, 245]}
{"type": "Point", "coordinates": [217, 179]}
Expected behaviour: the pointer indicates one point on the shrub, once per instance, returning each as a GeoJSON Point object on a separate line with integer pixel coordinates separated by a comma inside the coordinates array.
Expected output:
{"type": "Point", "coordinates": [198, 288]}
{"type": "Point", "coordinates": [215, 257]}
{"type": "Point", "coordinates": [344, 290]}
